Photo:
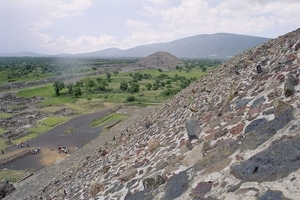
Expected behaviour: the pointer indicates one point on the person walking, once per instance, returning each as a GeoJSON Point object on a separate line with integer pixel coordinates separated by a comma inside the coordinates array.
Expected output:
{"type": "Point", "coordinates": [59, 148]}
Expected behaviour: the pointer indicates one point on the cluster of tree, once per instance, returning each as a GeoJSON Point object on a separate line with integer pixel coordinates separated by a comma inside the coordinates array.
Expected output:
{"type": "Point", "coordinates": [105, 61]}
{"type": "Point", "coordinates": [202, 63]}
{"type": "Point", "coordinates": [101, 85]}
{"type": "Point", "coordinates": [160, 81]}
{"type": "Point", "coordinates": [130, 87]}
{"type": "Point", "coordinates": [138, 76]}
{"type": "Point", "coordinates": [14, 68]}
{"type": "Point", "coordinates": [73, 90]}
{"type": "Point", "coordinates": [91, 85]}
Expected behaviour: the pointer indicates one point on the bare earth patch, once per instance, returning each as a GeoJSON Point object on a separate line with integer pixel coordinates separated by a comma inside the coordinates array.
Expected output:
{"type": "Point", "coordinates": [50, 156]}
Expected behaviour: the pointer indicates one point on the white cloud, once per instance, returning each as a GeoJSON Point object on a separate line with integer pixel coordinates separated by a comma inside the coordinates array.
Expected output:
{"type": "Point", "coordinates": [137, 24]}
{"type": "Point", "coordinates": [161, 3]}
{"type": "Point", "coordinates": [25, 20]}
{"type": "Point", "coordinates": [40, 14]}
{"type": "Point", "coordinates": [80, 44]}
{"type": "Point", "coordinates": [263, 2]}
{"type": "Point", "coordinates": [242, 17]}
{"type": "Point", "coordinates": [146, 37]}
{"type": "Point", "coordinates": [192, 17]}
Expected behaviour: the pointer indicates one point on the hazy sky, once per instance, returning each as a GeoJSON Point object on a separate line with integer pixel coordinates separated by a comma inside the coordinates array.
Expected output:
{"type": "Point", "coordinates": [76, 26]}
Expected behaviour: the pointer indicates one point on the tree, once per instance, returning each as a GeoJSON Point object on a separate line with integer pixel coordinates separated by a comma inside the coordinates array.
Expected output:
{"type": "Point", "coordinates": [188, 69]}
{"type": "Point", "coordinates": [108, 75]}
{"type": "Point", "coordinates": [204, 69]}
{"type": "Point", "coordinates": [146, 76]}
{"type": "Point", "coordinates": [102, 86]}
{"type": "Point", "coordinates": [155, 86]}
{"type": "Point", "coordinates": [148, 86]}
{"type": "Point", "coordinates": [78, 84]}
{"type": "Point", "coordinates": [77, 92]}
{"type": "Point", "coordinates": [178, 68]}
{"type": "Point", "coordinates": [138, 76]}
{"type": "Point", "coordinates": [99, 80]}
{"type": "Point", "coordinates": [170, 92]}
{"type": "Point", "coordinates": [70, 88]}
{"type": "Point", "coordinates": [134, 87]}
{"type": "Point", "coordinates": [90, 83]}
{"type": "Point", "coordinates": [116, 72]}
{"type": "Point", "coordinates": [160, 70]}
{"type": "Point", "coordinates": [58, 86]}
{"type": "Point", "coordinates": [123, 86]}
{"type": "Point", "coordinates": [185, 82]}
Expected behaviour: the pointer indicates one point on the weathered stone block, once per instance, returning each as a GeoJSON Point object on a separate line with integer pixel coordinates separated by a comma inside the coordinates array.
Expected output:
{"type": "Point", "coordinates": [153, 182]}
{"type": "Point", "coordinates": [275, 162]}
{"type": "Point", "coordinates": [193, 128]}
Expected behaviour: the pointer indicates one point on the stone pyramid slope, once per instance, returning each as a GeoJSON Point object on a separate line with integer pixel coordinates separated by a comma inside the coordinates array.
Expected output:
{"type": "Point", "coordinates": [234, 134]}
{"type": "Point", "coordinates": [160, 60]}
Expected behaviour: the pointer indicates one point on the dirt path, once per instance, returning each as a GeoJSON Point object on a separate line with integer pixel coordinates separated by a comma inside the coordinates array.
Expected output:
{"type": "Point", "coordinates": [51, 139]}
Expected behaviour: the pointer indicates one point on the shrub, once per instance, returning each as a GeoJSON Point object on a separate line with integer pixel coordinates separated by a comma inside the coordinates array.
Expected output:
{"type": "Point", "coordinates": [170, 92]}
{"type": "Point", "coordinates": [168, 82]}
{"type": "Point", "coordinates": [130, 98]}
{"type": "Point", "coordinates": [155, 87]}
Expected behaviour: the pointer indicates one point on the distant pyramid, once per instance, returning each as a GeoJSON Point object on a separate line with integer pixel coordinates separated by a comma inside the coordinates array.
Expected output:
{"type": "Point", "coordinates": [160, 60]}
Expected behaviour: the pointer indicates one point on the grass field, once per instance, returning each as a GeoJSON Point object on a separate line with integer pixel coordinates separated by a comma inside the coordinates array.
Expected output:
{"type": "Point", "coordinates": [107, 119]}
{"type": "Point", "coordinates": [12, 175]}
{"type": "Point", "coordinates": [114, 96]}
{"type": "Point", "coordinates": [40, 128]}
{"type": "Point", "coordinates": [29, 77]}
{"type": "Point", "coordinates": [53, 121]}
{"type": "Point", "coordinates": [5, 115]}
{"type": "Point", "coordinates": [2, 130]}
{"type": "Point", "coordinates": [3, 144]}
{"type": "Point", "coordinates": [43, 91]}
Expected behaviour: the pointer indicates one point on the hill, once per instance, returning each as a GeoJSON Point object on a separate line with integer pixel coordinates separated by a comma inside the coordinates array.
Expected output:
{"type": "Point", "coordinates": [160, 60]}
{"type": "Point", "coordinates": [23, 54]}
{"type": "Point", "coordinates": [234, 134]}
{"type": "Point", "coordinates": [218, 46]}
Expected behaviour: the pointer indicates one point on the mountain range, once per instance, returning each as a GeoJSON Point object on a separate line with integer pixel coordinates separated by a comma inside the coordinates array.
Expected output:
{"type": "Point", "coordinates": [219, 46]}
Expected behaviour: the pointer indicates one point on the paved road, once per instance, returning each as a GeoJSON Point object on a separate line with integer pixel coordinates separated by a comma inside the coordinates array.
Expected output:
{"type": "Point", "coordinates": [54, 137]}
